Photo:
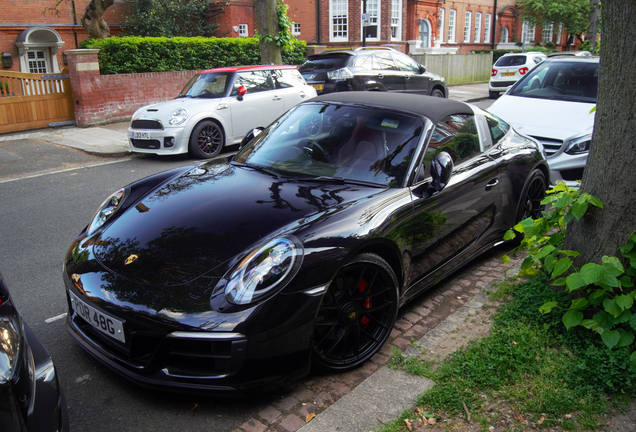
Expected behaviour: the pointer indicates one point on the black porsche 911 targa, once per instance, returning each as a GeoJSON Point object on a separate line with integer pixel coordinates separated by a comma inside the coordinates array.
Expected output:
{"type": "Point", "coordinates": [231, 277]}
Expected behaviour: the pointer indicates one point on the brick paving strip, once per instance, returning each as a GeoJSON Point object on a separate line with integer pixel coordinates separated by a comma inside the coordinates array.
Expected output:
{"type": "Point", "coordinates": [364, 398]}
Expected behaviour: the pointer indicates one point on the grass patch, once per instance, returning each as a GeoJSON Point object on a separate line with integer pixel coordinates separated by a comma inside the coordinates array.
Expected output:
{"type": "Point", "coordinates": [529, 371]}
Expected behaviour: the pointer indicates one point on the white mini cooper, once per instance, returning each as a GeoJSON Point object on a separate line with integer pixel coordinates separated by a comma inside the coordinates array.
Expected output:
{"type": "Point", "coordinates": [217, 107]}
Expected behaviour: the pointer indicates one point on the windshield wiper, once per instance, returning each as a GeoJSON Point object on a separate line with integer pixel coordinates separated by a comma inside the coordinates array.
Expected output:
{"type": "Point", "coordinates": [256, 168]}
{"type": "Point", "coordinates": [340, 180]}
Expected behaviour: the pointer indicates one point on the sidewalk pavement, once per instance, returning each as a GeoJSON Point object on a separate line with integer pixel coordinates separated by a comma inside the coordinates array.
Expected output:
{"type": "Point", "coordinates": [111, 140]}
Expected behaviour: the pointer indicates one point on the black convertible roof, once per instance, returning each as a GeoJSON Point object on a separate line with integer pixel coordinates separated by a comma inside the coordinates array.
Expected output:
{"type": "Point", "coordinates": [432, 107]}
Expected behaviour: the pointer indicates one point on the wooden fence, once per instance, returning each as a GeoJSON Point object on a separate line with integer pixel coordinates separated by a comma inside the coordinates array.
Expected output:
{"type": "Point", "coordinates": [458, 68]}
{"type": "Point", "coordinates": [32, 101]}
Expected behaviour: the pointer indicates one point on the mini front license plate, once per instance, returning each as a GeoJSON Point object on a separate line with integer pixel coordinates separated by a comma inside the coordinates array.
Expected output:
{"type": "Point", "coordinates": [102, 322]}
{"type": "Point", "coordinates": [508, 74]}
{"type": "Point", "coordinates": [141, 135]}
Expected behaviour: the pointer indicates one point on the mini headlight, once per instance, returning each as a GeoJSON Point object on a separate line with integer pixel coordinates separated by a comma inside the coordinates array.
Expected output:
{"type": "Point", "coordinates": [106, 210]}
{"type": "Point", "coordinates": [178, 117]}
{"type": "Point", "coordinates": [262, 271]}
{"type": "Point", "coordinates": [579, 145]}
{"type": "Point", "coordinates": [340, 74]}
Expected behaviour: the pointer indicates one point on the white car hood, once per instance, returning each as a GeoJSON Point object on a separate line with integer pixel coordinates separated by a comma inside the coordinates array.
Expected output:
{"type": "Point", "coordinates": [162, 110]}
{"type": "Point", "coordinates": [545, 118]}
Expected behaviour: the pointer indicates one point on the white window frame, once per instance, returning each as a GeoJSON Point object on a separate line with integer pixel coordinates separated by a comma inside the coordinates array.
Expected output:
{"type": "Point", "coordinates": [468, 19]}
{"type": "Point", "coordinates": [243, 31]}
{"type": "Point", "coordinates": [427, 23]}
{"type": "Point", "coordinates": [440, 24]}
{"type": "Point", "coordinates": [478, 27]}
{"type": "Point", "coordinates": [374, 20]}
{"type": "Point", "coordinates": [528, 31]}
{"type": "Point", "coordinates": [487, 28]}
{"type": "Point", "coordinates": [338, 20]}
{"type": "Point", "coordinates": [396, 19]}
{"type": "Point", "coordinates": [547, 33]}
{"type": "Point", "coordinates": [295, 29]}
{"type": "Point", "coordinates": [452, 23]}
{"type": "Point", "coordinates": [560, 34]}
{"type": "Point", "coordinates": [38, 64]}
{"type": "Point", "coordinates": [504, 31]}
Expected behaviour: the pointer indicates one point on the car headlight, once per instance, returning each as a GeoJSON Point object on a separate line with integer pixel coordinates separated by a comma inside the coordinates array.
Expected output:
{"type": "Point", "coordinates": [178, 117]}
{"type": "Point", "coordinates": [579, 145]}
{"type": "Point", "coordinates": [9, 347]}
{"type": "Point", "coordinates": [106, 210]}
{"type": "Point", "coordinates": [340, 74]}
{"type": "Point", "coordinates": [264, 271]}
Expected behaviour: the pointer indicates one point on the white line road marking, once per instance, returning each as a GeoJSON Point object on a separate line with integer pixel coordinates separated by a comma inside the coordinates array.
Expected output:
{"type": "Point", "coordinates": [55, 318]}
{"type": "Point", "coordinates": [64, 170]}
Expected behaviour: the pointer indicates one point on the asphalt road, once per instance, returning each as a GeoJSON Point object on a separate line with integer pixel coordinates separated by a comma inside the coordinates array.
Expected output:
{"type": "Point", "coordinates": [45, 203]}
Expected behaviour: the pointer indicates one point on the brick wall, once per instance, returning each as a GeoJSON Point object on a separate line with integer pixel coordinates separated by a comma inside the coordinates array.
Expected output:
{"type": "Point", "coordinates": [235, 12]}
{"type": "Point", "coordinates": [108, 98]}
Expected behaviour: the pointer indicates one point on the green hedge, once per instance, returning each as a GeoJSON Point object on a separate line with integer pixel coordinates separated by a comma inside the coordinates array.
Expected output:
{"type": "Point", "coordinates": [120, 55]}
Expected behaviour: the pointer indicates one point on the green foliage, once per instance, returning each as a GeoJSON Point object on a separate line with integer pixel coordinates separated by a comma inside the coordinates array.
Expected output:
{"type": "Point", "coordinates": [284, 38]}
{"type": "Point", "coordinates": [170, 18]}
{"type": "Point", "coordinates": [120, 55]}
{"type": "Point", "coordinates": [550, 45]}
{"type": "Point", "coordinates": [603, 293]}
{"type": "Point", "coordinates": [573, 14]}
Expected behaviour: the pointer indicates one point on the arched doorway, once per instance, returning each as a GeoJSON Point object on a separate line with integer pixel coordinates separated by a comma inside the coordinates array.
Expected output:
{"type": "Point", "coordinates": [425, 33]}
{"type": "Point", "coordinates": [37, 48]}
{"type": "Point", "coordinates": [504, 34]}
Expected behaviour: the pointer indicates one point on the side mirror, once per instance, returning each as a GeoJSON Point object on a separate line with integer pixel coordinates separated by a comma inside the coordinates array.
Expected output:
{"type": "Point", "coordinates": [241, 92]}
{"type": "Point", "coordinates": [250, 136]}
{"type": "Point", "coordinates": [441, 170]}
{"type": "Point", "coordinates": [422, 69]}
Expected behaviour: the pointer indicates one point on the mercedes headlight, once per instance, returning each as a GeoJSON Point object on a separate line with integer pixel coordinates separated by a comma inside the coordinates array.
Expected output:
{"type": "Point", "coordinates": [264, 271]}
{"type": "Point", "coordinates": [106, 210]}
{"type": "Point", "coordinates": [178, 117]}
{"type": "Point", "coordinates": [340, 74]}
{"type": "Point", "coordinates": [579, 145]}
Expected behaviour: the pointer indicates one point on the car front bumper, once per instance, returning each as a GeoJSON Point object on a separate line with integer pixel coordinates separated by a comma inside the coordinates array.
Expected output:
{"type": "Point", "coordinates": [166, 141]}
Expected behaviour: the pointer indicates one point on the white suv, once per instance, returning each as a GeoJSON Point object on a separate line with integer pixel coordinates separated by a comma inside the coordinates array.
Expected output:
{"type": "Point", "coordinates": [217, 107]}
{"type": "Point", "coordinates": [509, 68]}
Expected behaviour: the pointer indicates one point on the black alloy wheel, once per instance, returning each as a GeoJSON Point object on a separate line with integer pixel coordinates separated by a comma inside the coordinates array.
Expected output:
{"type": "Point", "coordinates": [206, 140]}
{"type": "Point", "coordinates": [356, 315]}
{"type": "Point", "coordinates": [533, 194]}
{"type": "Point", "coordinates": [437, 93]}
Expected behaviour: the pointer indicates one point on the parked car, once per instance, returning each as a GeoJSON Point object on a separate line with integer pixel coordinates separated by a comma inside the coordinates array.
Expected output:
{"type": "Point", "coordinates": [31, 398]}
{"type": "Point", "coordinates": [370, 68]}
{"type": "Point", "coordinates": [216, 108]}
{"type": "Point", "coordinates": [509, 68]}
{"type": "Point", "coordinates": [554, 104]}
{"type": "Point", "coordinates": [234, 276]}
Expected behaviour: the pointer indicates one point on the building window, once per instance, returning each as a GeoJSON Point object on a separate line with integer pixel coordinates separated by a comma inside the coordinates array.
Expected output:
{"type": "Point", "coordinates": [452, 15]}
{"type": "Point", "coordinates": [546, 35]}
{"type": "Point", "coordinates": [487, 28]}
{"type": "Point", "coordinates": [396, 20]}
{"type": "Point", "coordinates": [504, 35]}
{"type": "Point", "coordinates": [558, 41]}
{"type": "Point", "coordinates": [373, 15]}
{"type": "Point", "coordinates": [440, 25]}
{"type": "Point", "coordinates": [243, 31]}
{"type": "Point", "coordinates": [36, 61]}
{"type": "Point", "coordinates": [478, 27]}
{"type": "Point", "coordinates": [295, 29]}
{"type": "Point", "coordinates": [339, 18]}
{"type": "Point", "coordinates": [528, 32]}
{"type": "Point", "coordinates": [467, 26]}
{"type": "Point", "coordinates": [425, 33]}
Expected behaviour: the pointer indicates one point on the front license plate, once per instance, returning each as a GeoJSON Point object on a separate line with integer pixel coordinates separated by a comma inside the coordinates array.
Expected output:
{"type": "Point", "coordinates": [508, 74]}
{"type": "Point", "coordinates": [102, 322]}
{"type": "Point", "coordinates": [318, 87]}
{"type": "Point", "coordinates": [141, 135]}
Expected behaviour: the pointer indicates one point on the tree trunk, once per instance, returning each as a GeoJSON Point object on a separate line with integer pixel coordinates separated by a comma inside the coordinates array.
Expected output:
{"type": "Point", "coordinates": [595, 15]}
{"type": "Point", "coordinates": [610, 170]}
{"type": "Point", "coordinates": [93, 19]}
{"type": "Point", "coordinates": [267, 21]}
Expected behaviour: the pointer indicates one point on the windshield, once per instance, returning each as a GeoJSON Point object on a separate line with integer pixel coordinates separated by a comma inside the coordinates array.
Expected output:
{"type": "Point", "coordinates": [519, 60]}
{"type": "Point", "coordinates": [340, 142]}
{"type": "Point", "coordinates": [322, 63]}
{"type": "Point", "coordinates": [206, 85]}
{"type": "Point", "coordinates": [569, 81]}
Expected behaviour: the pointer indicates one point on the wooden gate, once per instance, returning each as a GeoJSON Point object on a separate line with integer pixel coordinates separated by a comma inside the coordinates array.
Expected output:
{"type": "Point", "coordinates": [33, 101]}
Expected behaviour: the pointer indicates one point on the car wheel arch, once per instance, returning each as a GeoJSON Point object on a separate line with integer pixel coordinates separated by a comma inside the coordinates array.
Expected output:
{"type": "Point", "coordinates": [440, 88]}
{"type": "Point", "coordinates": [388, 252]}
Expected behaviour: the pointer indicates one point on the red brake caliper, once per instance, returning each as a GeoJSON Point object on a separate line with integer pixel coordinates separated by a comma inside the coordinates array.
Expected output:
{"type": "Point", "coordinates": [366, 303]}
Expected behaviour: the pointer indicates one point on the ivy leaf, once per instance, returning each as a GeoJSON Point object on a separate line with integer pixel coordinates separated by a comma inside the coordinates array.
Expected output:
{"type": "Point", "coordinates": [626, 339]}
{"type": "Point", "coordinates": [592, 273]}
{"type": "Point", "coordinates": [510, 234]}
{"type": "Point", "coordinates": [626, 282]}
{"type": "Point", "coordinates": [624, 317]}
{"type": "Point", "coordinates": [547, 307]}
{"type": "Point", "coordinates": [559, 282]}
{"type": "Point", "coordinates": [580, 303]}
{"type": "Point", "coordinates": [613, 266]}
{"type": "Point", "coordinates": [575, 281]}
{"type": "Point", "coordinates": [632, 358]}
{"type": "Point", "coordinates": [572, 318]}
{"type": "Point", "coordinates": [612, 307]}
{"type": "Point", "coordinates": [604, 319]}
{"type": "Point", "coordinates": [595, 201]}
{"type": "Point", "coordinates": [527, 263]}
{"type": "Point", "coordinates": [578, 209]}
{"type": "Point", "coordinates": [632, 321]}
{"type": "Point", "coordinates": [505, 259]}
{"type": "Point", "coordinates": [545, 251]}
{"type": "Point", "coordinates": [561, 267]}
{"type": "Point", "coordinates": [610, 338]}
{"type": "Point", "coordinates": [592, 325]}
{"type": "Point", "coordinates": [625, 301]}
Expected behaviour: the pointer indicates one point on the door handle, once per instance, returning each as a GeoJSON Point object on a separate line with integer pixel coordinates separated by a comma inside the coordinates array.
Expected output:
{"type": "Point", "coordinates": [277, 98]}
{"type": "Point", "coordinates": [492, 183]}
{"type": "Point", "coordinates": [302, 94]}
{"type": "Point", "coordinates": [380, 76]}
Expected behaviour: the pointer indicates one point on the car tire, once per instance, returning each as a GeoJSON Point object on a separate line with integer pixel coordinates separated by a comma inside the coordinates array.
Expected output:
{"type": "Point", "coordinates": [492, 94]}
{"type": "Point", "coordinates": [356, 315]}
{"type": "Point", "coordinates": [532, 195]}
{"type": "Point", "coordinates": [206, 140]}
{"type": "Point", "coordinates": [437, 93]}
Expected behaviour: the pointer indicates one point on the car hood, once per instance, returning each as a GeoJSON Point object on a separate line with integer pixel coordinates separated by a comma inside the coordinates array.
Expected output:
{"type": "Point", "coordinates": [545, 118]}
{"type": "Point", "coordinates": [163, 110]}
{"type": "Point", "coordinates": [209, 216]}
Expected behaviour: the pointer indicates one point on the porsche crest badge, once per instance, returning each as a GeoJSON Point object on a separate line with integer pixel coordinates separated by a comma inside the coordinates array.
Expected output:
{"type": "Point", "coordinates": [131, 259]}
